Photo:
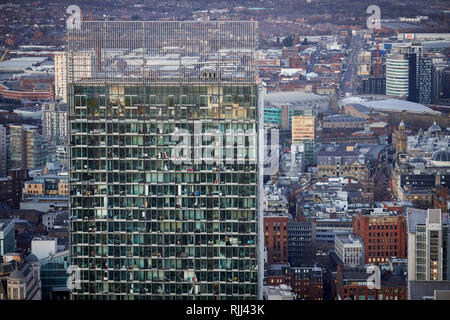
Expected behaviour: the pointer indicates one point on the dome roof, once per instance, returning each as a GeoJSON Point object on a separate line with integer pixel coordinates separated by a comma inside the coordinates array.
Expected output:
{"type": "Point", "coordinates": [31, 258]}
{"type": "Point", "coordinates": [442, 156]}
{"type": "Point", "coordinates": [417, 160]}
{"type": "Point", "coordinates": [434, 128]}
{"type": "Point", "coordinates": [16, 275]}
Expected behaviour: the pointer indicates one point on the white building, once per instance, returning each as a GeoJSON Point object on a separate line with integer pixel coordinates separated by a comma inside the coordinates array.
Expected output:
{"type": "Point", "coordinates": [84, 63]}
{"type": "Point", "coordinates": [283, 292]}
{"type": "Point", "coordinates": [397, 75]}
{"type": "Point", "coordinates": [364, 63]}
{"type": "Point", "coordinates": [350, 249]}
{"type": "Point", "coordinates": [428, 234]}
{"type": "Point", "coordinates": [48, 219]}
{"type": "Point", "coordinates": [42, 247]}
{"type": "Point", "coordinates": [54, 122]}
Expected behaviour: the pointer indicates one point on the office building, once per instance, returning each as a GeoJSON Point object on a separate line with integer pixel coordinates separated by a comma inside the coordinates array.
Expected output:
{"type": "Point", "coordinates": [54, 122]}
{"type": "Point", "coordinates": [303, 131]}
{"type": "Point", "coordinates": [301, 239]}
{"type": "Point", "coordinates": [3, 151]}
{"type": "Point", "coordinates": [424, 80]}
{"type": "Point", "coordinates": [440, 82]}
{"type": "Point", "coordinates": [43, 247]}
{"type": "Point", "coordinates": [276, 237]}
{"type": "Point", "coordinates": [364, 63]}
{"type": "Point", "coordinates": [353, 284]}
{"type": "Point", "coordinates": [28, 150]}
{"type": "Point", "coordinates": [327, 229]}
{"type": "Point", "coordinates": [10, 192]}
{"type": "Point", "coordinates": [374, 86]}
{"type": "Point", "coordinates": [17, 157]}
{"type": "Point", "coordinates": [47, 185]}
{"type": "Point", "coordinates": [83, 62]}
{"type": "Point", "coordinates": [306, 282]}
{"type": "Point", "coordinates": [343, 160]}
{"type": "Point", "coordinates": [383, 233]}
{"type": "Point", "coordinates": [147, 221]}
{"type": "Point", "coordinates": [279, 107]}
{"type": "Point", "coordinates": [278, 115]}
{"type": "Point", "coordinates": [350, 250]}
{"type": "Point", "coordinates": [7, 236]}
{"type": "Point", "coordinates": [397, 75]}
{"type": "Point", "coordinates": [428, 245]}
{"type": "Point", "coordinates": [54, 276]}
{"type": "Point", "coordinates": [420, 77]}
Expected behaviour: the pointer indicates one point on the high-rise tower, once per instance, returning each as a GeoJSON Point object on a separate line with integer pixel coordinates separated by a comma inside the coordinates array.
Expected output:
{"type": "Point", "coordinates": [164, 173]}
{"type": "Point", "coordinates": [428, 246]}
{"type": "Point", "coordinates": [397, 73]}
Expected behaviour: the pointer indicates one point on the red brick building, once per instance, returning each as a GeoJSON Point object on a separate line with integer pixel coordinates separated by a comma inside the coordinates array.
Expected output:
{"type": "Point", "coordinates": [276, 238]}
{"type": "Point", "coordinates": [394, 206]}
{"type": "Point", "coordinates": [383, 233]}
{"type": "Point", "coordinates": [353, 285]}
{"type": "Point", "coordinates": [306, 282]}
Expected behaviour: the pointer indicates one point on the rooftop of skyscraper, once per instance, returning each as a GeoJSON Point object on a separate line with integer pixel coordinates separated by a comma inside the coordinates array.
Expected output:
{"type": "Point", "coordinates": [158, 51]}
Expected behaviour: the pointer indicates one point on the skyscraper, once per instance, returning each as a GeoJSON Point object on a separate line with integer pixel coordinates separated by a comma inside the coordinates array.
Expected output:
{"type": "Point", "coordinates": [303, 131]}
{"type": "Point", "coordinates": [83, 61]}
{"type": "Point", "coordinates": [28, 150]}
{"type": "Point", "coordinates": [424, 80]}
{"type": "Point", "coordinates": [428, 245]}
{"type": "Point", "coordinates": [440, 83]}
{"type": "Point", "coordinates": [54, 122]}
{"type": "Point", "coordinates": [3, 151]}
{"type": "Point", "coordinates": [397, 72]}
{"type": "Point", "coordinates": [419, 79]}
{"type": "Point", "coordinates": [164, 174]}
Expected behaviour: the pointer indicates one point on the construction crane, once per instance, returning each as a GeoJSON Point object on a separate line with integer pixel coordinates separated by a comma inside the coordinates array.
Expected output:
{"type": "Point", "coordinates": [4, 55]}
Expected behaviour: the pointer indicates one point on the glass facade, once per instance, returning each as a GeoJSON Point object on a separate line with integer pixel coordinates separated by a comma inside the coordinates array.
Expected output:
{"type": "Point", "coordinates": [421, 253]}
{"type": "Point", "coordinates": [432, 253]}
{"type": "Point", "coordinates": [54, 275]}
{"type": "Point", "coordinates": [303, 131]}
{"type": "Point", "coordinates": [397, 75]}
{"type": "Point", "coordinates": [147, 224]}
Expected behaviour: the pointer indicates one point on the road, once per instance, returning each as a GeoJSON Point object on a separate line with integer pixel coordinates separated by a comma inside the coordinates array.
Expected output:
{"type": "Point", "coordinates": [382, 179]}
{"type": "Point", "coordinates": [349, 80]}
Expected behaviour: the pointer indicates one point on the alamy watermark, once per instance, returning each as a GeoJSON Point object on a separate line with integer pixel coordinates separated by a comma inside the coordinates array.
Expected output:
{"type": "Point", "coordinates": [218, 148]}
{"type": "Point", "coordinates": [73, 281]}
{"type": "Point", "coordinates": [374, 20]}
{"type": "Point", "coordinates": [374, 280]}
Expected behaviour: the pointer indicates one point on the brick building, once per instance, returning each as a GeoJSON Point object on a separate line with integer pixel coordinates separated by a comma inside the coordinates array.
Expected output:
{"type": "Point", "coordinates": [351, 284]}
{"type": "Point", "coordinates": [306, 282]}
{"type": "Point", "coordinates": [383, 233]}
{"type": "Point", "coordinates": [276, 238]}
